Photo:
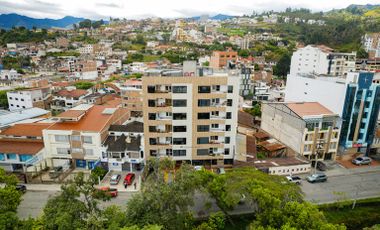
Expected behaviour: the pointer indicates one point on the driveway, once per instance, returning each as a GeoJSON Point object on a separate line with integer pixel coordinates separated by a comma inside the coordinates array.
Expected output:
{"type": "Point", "coordinates": [120, 186]}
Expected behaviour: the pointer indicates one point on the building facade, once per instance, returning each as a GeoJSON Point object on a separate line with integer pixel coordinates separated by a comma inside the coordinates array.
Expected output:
{"type": "Point", "coordinates": [220, 59]}
{"type": "Point", "coordinates": [29, 98]}
{"type": "Point", "coordinates": [191, 119]}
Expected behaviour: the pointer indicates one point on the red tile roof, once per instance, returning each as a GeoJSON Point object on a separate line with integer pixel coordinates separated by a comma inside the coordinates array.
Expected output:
{"type": "Point", "coordinates": [72, 93]}
{"type": "Point", "coordinates": [21, 146]}
{"type": "Point", "coordinates": [26, 129]}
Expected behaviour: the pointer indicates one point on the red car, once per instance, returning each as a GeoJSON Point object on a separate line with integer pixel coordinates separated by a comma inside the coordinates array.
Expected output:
{"type": "Point", "coordinates": [129, 178]}
{"type": "Point", "coordinates": [109, 191]}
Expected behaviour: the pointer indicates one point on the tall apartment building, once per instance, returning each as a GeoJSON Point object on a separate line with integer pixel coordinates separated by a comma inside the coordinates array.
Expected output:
{"type": "Point", "coordinates": [191, 119]}
{"type": "Point", "coordinates": [355, 98]}
{"type": "Point", "coordinates": [322, 60]}
{"type": "Point", "coordinates": [29, 98]}
{"type": "Point", "coordinates": [309, 128]}
{"type": "Point", "coordinates": [78, 135]}
{"type": "Point", "coordinates": [246, 83]}
{"type": "Point", "coordinates": [371, 43]}
{"type": "Point", "coordinates": [132, 99]}
{"type": "Point", "coordinates": [220, 59]}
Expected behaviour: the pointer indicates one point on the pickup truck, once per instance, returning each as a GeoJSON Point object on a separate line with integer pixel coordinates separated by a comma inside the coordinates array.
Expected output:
{"type": "Point", "coordinates": [294, 179]}
{"type": "Point", "coordinates": [109, 191]}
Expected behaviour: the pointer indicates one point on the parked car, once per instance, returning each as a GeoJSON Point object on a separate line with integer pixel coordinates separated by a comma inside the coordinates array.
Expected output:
{"type": "Point", "coordinates": [109, 191]}
{"type": "Point", "coordinates": [198, 168]}
{"type": "Point", "coordinates": [318, 177]}
{"type": "Point", "coordinates": [21, 188]}
{"type": "Point", "coordinates": [128, 180]}
{"type": "Point", "coordinates": [115, 179]}
{"type": "Point", "coordinates": [220, 171]}
{"type": "Point", "coordinates": [294, 179]}
{"type": "Point", "coordinates": [362, 161]}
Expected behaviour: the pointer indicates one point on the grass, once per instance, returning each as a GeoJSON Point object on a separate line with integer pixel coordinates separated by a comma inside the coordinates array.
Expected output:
{"type": "Point", "coordinates": [365, 214]}
{"type": "Point", "coordinates": [150, 58]}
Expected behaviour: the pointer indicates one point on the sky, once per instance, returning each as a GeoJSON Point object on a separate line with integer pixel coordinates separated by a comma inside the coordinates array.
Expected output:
{"type": "Point", "coordinates": [137, 9]}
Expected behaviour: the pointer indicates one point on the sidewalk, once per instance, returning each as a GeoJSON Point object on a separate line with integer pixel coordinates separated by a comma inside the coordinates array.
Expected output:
{"type": "Point", "coordinates": [43, 187]}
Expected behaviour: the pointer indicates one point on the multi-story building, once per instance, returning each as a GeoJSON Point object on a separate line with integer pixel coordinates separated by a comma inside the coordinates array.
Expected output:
{"type": "Point", "coordinates": [371, 43]}
{"type": "Point", "coordinates": [191, 119]}
{"type": "Point", "coordinates": [29, 98]}
{"type": "Point", "coordinates": [322, 60]}
{"type": "Point", "coordinates": [308, 128]}
{"type": "Point", "coordinates": [132, 99]}
{"type": "Point", "coordinates": [220, 59]}
{"type": "Point", "coordinates": [78, 135]}
{"type": "Point", "coordinates": [355, 98]}
{"type": "Point", "coordinates": [246, 84]}
{"type": "Point", "coordinates": [370, 65]}
{"type": "Point", "coordinates": [68, 98]}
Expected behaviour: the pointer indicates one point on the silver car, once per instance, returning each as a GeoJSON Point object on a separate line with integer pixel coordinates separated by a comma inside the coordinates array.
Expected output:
{"type": "Point", "coordinates": [362, 161]}
{"type": "Point", "coordinates": [115, 179]}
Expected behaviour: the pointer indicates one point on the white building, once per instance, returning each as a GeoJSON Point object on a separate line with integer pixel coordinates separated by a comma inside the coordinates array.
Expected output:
{"type": "Point", "coordinates": [322, 60]}
{"type": "Point", "coordinates": [371, 44]}
{"type": "Point", "coordinates": [28, 98]}
{"type": "Point", "coordinates": [9, 74]}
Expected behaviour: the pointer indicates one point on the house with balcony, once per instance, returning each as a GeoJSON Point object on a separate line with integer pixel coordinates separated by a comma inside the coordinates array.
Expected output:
{"type": "Point", "coordinates": [308, 128]}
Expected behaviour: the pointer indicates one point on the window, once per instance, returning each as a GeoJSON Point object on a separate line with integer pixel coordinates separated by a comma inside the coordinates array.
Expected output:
{"type": "Point", "coordinates": [75, 138]}
{"type": "Point", "coordinates": [179, 116]}
{"type": "Point", "coordinates": [230, 89]}
{"type": "Point", "coordinates": [179, 89]}
{"type": "Point", "coordinates": [203, 128]}
{"type": "Point", "coordinates": [2, 157]}
{"type": "Point", "coordinates": [203, 102]}
{"type": "Point", "coordinates": [61, 138]}
{"type": "Point", "coordinates": [227, 151]}
{"type": "Point", "coordinates": [228, 127]}
{"type": "Point", "coordinates": [202, 152]}
{"type": "Point", "coordinates": [203, 116]}
{"type": "Point", "coordinates": [152, 116]}
{"type": "Point", "coordinates": [76, 150]}
{"type": "Point", "coordinates": [151, 103]}
{"type": "Point", "coordinates": [214, 126]}
{"type": "Point", "coordinates": [11, 156]}
{"type": "Point", "coordinates": [63, 151]}
{"type": "Point", "coordinates": [179, 141]}
{"type": "Point", "coordinates": [204, 89]}
{"type": "Point", "coordinates": [229, 102]}
{"type": "Point", "coordinates": [179, 153]}
{"type": "Point", "coordinates": [25, 157]}
{"type": "Point", "coordinates": [227, 140]}
{"type": "Point", "coordinates": [151, 88]}
{"type": "Point", "coordinates": [203, 140]}
{"type": "Point", "coordinates": [89, 152]}
{"type": "Point", "coordinates": [228, 115]}
{"type": "Point", "coordinates": [169, 152]}
{"type": "Point", "coordinates": [179, 103]}
{"type": "Point", "coordinates": [216, 87]}
{"type": "Point", "coordinates": [152, 141]}
{"type": "Point", "coordinates": [22, 99]}
{"type": "Point", "coordinates": [87, 139]}
{"type": "Point", "coordinates": [178, 129]}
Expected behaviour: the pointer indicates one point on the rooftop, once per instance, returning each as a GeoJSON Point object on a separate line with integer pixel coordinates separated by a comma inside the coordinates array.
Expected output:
{"type": "Point", "coordinates": [72, 93]}
{"type": "Point", "coordinates": [27, 129]}
{"type": "Point", "coordinates": [94, 120]}
{"type": "Point", "coordinates": [7, 118]}
{"type": "Point", "coordinates": [133, 127]}
{"type": "Point", "coordinates": [277, 162]}
{"type": "Point", "coordinates": [121, 143]}
{"type": "Point", "coordinates": [303, 109]}
{"type": "Point", "coordinates": [20, 146]}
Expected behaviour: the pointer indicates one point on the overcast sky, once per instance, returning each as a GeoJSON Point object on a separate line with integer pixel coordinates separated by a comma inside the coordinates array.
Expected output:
{"type": "Point", "coordinates": [96, 9]}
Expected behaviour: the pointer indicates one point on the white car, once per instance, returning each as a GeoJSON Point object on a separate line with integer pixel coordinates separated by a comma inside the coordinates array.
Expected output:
{"type": "Point", "coordinates": [362, 161]}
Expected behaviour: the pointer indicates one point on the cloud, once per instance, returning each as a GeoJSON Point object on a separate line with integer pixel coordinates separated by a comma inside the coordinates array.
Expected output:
{"type": "Point", "coordinates": [96, 9]}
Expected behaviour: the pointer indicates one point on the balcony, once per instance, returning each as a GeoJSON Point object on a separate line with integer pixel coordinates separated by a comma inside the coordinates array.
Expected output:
{"type": "Point", "coordinates": [213, 117]}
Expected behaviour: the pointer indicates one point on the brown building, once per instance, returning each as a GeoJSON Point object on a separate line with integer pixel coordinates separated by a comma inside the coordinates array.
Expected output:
{"type": "Point", "coordinates": [220, 59]}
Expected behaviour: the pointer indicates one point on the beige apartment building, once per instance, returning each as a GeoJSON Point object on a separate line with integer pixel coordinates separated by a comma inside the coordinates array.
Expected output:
{"type": "Point", "coordinates": [308, 128]}
{"type": "Point", "coordinates": [191, 119]}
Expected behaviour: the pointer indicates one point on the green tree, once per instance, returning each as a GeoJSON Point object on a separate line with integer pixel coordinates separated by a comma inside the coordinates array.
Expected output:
{"type": "Point", "coordinates": [84, 85]}
{"type": "Point", "coordinates": [244, 53]}
{"type": "Point", "coordinates": [282, 67]}
{"type": "Point", "coordinates": [69, 211]}
{"type": "Point", "coordinates": [3, 99]}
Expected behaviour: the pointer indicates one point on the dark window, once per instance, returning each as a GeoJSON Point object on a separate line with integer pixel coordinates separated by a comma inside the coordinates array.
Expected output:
{"type": "Point", "coordinates": [203, 116]}
{"type": "Point", "coordinates": [229, 102]}
{"type": "Point", "coordinates": [228, 127]}
{"type": "Point", "coordinates": [152, 141]}
{"type": "Point", "coordinates": [203, 102]}
{"type": "Point", "coordinates": [226, 151]}
{"type": "Point", "coordinates": [204, 89]}
{"type": "Point", "coordinates": [203, 140]}
{"type": "Point", "coordinates": [151, 88]}
{"type": "Point", "coordinates": [203, 128]}
{"type": "Point", "coordinates": [227, 140]}
{"type": "Point", "coordinates": [179, 116]}
{"type": "Point", "coordinates": [22, 99]}
{"type": "Point", "coordinates": [179, 89]}
{"type": "Point", "coordinates": [179, 153]}
{"type": "Point", "coordinates": [152, 129]}
{"type": "Point", "coordinates": [152, 116]}
{"type": "Point", "coordinates": [202, 152]}
{"type": "Point", "coordinates": [153, 153]}
{"type": "Point", "coordinates": [179, 141]}
{"type": "Point", "coordinates": [179, 128]}
{"type": "Point", "coordinates": [179, 103]}
{"type": "Point", "coordinates": [228, 115]}
{"type": "Point", "coordinates": [230, 89]}
{"type": "Point", "coordinates": [151, 103]}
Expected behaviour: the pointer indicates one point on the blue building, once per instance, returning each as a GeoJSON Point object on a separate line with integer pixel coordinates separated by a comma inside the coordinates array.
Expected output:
{"type": "Point", "coordinates": [360, 112]}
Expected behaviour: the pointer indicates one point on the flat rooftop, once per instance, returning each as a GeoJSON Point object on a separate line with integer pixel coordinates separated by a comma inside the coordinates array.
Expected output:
{"type": "Point", "coordinates": [303, 109]}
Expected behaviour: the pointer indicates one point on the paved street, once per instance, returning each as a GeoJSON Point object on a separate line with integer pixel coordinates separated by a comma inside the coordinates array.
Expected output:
{"type": "Point", "coordinates": [362, 185]}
